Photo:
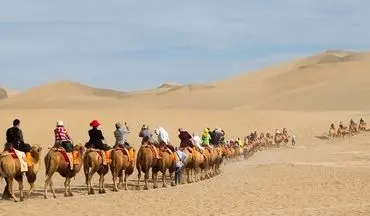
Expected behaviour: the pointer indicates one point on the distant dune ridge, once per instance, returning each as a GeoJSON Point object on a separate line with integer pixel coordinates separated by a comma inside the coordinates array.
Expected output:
{"type": "Point", "coordinates": [6, 92]}
{"type": "Point", "coordinates": [301, 84]}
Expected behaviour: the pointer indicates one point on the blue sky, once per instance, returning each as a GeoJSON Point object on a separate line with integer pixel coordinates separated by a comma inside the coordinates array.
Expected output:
{"type": "Point", "coordinates": [138, 44]}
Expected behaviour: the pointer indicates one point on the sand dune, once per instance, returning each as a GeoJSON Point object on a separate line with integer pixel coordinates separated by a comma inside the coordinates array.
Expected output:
{"type": "Point", "coordinates": [7, 92]}
{"type": "Point", "coordinates": [316, 177]}
{"type": "Point", "coordinates": [324, 78]}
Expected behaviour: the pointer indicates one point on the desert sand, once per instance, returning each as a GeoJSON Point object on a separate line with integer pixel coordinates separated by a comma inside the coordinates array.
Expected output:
{"type": "Point", "coordinates": [315, 177]}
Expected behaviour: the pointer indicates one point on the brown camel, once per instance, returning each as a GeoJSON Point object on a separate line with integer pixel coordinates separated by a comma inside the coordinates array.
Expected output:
{"type": "Point", "coordinates": [199, 161]}
{"type": "Point", "coordinates": [167, 162]}
{"type": "Point", "coordinates": [56, 161]}
{"type": "Point", "coordinates": [189, 164]}
{"type": "Point", "coordinates": [122, 160]}
{"type": "Point", "coordinates": [332, 131]}
{"type": "Point", "coordinates": [362, 125]}
{"type": "Point", "coordinates": [93, 162]}
{"type": "Point", "coordinates": [203, 165]}
{"type": "Point", "coordinates": [353, 127]}
{"type": "Point", "coordinates": [145, 160]}
{"type": "Point", "coordinates": [10, 167]}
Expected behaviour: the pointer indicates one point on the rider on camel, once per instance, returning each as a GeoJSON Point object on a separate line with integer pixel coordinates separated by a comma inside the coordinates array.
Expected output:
{"type": "Point", "coordinates": [62, 137]}
{"type": "Point", "coordinates": [14, 139]}
{"type": "Point", "coordinates": [146, 136]}
{"type": "Point", "coordinates": [185, 139]}
{"type": "Point", "coordinates": [121, 135]}
{"type": "Point", "coordinates": [206, 137]}
{"type": "Point", "coordinates": [197, 142]}
{"type": "Point", "coordinates": [332, 126]}
{"type": "Point", "coordinates": [97, 138]}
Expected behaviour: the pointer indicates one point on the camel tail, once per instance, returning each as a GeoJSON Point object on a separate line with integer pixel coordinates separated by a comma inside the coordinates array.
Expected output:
{"type": "Point", "coordinates": [47, 161]}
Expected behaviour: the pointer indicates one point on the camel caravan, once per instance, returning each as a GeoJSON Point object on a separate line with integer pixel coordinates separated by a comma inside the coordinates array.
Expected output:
{"type": "Point", "coordinates": [198, 158]}
{"type": "Point", "coordinates": [352, 129]}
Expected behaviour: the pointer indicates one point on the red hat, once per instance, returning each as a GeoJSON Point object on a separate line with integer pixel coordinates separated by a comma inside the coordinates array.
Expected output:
{"type": "Point", "coordinates": [94, 123]}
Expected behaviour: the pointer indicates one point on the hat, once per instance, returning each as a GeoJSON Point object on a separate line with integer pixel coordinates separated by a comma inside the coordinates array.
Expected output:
{"type": "Point", "coordinates": [118, 125]}
{"type": "Point", "coordinates": [94, 123]}
{"type": "Point", "coordinates": [60, 123]}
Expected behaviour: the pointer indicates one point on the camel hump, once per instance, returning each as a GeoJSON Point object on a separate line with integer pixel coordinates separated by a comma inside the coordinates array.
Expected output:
{"type": "Point", "coordinates": [168, 150]}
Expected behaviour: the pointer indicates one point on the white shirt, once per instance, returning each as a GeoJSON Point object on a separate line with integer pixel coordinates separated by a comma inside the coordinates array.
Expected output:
{"type": "Point", "coordinates": [196, 142]}
{"type": "Point", "coordinates": [163, 135]}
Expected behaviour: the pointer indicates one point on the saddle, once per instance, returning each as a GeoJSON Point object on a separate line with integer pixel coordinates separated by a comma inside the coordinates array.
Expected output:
{"type": "Point", "coordinates": [16, 154]}
{"type": "Point", "coordinates": [105, 155]}
{"type": "Point", "coordinates": [71, 158]}
{"type": "Point", "coordinates": [152, 148]}
{"type": "Point", "coordinates": [129, 152]}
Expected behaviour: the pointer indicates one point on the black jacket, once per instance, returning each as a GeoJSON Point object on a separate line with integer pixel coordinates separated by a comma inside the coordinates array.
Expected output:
{"type": "Point", "coordinates": [14, 136]}
{"type": "Point", "coordinates": [96, 139]}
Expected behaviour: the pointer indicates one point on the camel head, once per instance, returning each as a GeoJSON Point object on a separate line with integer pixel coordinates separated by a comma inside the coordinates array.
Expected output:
{"type": "Point", "coordinates": [80, 148]}
{"type": "Point", "coordinates": [36, 152]}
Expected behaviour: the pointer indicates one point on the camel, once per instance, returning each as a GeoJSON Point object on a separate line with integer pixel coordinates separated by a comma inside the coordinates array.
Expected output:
{"type": "Point", "coordinates": [352, 127]}
{"type": "Point", "coordinates": [10, 167]}
{"type": "Point", "coordinates": [200, 164]}
{"type": "Point", "coordinates": [122, 161]}
{"type": "Point", "coordinates": [189, 163]}
{"type": "Point", "coordinates": [270, 139]}
{"type": "Point", "coordinates": [341, 132]}
{"type": "Point", "coordinates": [212, 160]}
{"type": "Point", "coordinates": [332, 131]}
{"type": "Point", "coordinates": [56, 161]}
{"type": "Point", "coordinates": [362, 125]}
{"type": "Point", "coordinates": [93, 162]}
{"type": "Point", "coordinates": [167, 162]}
{"type": "Point", "coordinates": [145, 160]}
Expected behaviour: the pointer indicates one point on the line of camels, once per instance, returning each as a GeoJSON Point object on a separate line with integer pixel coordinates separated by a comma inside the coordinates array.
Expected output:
{"type": "Point", "coordinates": [352, 129]}
{"type": "Point", "coordinates": [199, 165]}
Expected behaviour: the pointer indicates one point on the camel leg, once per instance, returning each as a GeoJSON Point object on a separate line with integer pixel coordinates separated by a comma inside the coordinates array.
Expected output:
{"type": "Point", "coordinates": [115, 181]}
{"type": "Point", "coordinates": [69, 187]}
{"type": "Point", "coordinates": [187, 174]}
{"type": "Point", "coordinates": [10, 183]}
{"type": "Point", "coordinates": [126, 177]}
{"type": "Point", "coordinates": [120, 180]}
{"type": "Point", "coordinates": [65, 187]}
{"type": "Point", "coordinates": [154, 177]}
{"type": "Point", "coordinates": [47, 183]}
{"type": "Point", "coordinates": [51, 184]}
{"type": "Point", "coordinates": [89, 177]}
{"type": "Point", "coordinates": [146, 177]}
{"type": "Point", "coordinates": [32, 187]}
{"type": "Point", "coordinates": [20, 185]}
{"type": "Point", "coordinates": [138, 178]}
{"type": "Point", "coordinates": [6, 194]}
{"type": "Point", "coordinates": [164, 179]}
{"type": "Point", "coordinates": [172, 179]}
{"type": "Point", "coordinates": [101, 184]}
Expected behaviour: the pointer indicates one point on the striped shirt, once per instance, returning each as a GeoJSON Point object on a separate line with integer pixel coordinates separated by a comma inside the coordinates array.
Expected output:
{"type": "Point", "coordinates": [61, 135]}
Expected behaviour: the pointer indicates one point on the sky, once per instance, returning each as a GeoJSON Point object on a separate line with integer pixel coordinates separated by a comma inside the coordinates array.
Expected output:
{"type": "Point", "coordinates": [140, 44]}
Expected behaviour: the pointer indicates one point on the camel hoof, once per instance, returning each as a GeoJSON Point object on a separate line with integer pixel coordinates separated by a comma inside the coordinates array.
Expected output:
{"type": "Point", "coordinates": [22, 199]}
{"type": "Point", "coordinates": [155, 186]}
{"type": "Point", "coordinates": [15, 200]}
{"type": "Point", "coordinates": [173, 184]}
{"type": "Point", "coordinates": [146, 188]}
{"type": "Point", "coordinates": [126, 188]}
{"type": "Point", "coordinates": [164, 186]}
{"type": "Point", "coordinates": [71, 194]}
{"type": "Point", "coordinates": [66, 195]}
{"type": "Point", "coordinates": [45, 197]}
